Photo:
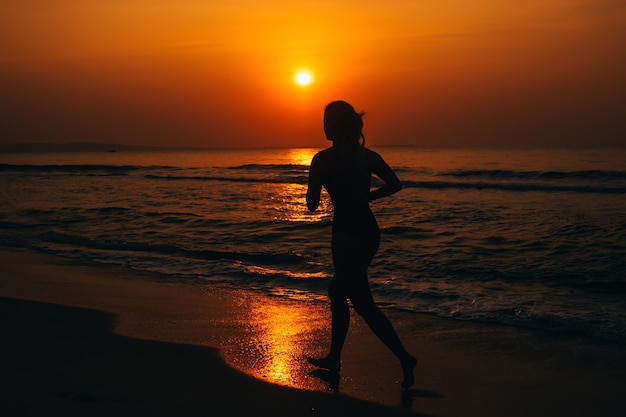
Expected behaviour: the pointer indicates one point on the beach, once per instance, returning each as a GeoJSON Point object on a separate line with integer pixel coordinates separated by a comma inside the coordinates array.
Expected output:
{"type": "Point", "coordinates": [81, 338]}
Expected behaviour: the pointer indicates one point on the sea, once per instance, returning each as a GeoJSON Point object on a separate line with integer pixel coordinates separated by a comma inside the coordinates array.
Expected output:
{"type": "Point", "coordinates": [532, 238]}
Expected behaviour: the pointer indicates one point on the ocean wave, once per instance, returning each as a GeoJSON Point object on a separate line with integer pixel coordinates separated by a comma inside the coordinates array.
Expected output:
{"type": "Point", "coordinates": [275, 180]}
{"type": "Point", "coordinates": [110, 169]}
{"type": "Point", "coordinates": [551, 181]}
{"type": "Point", "coordinates": [541, 175]}
{"type": "Point", "coordinates": [250, 173]}
{"type": "Point", "coordinates": [476, 185]}
{"type": "Point", "coordinates": [517, 186]}
{"type": "Point", "coordinates": [260, 258]}
{"type": "Point", "coordinates": [270, 167]}
{"type": "Point", "coordinates": [501, 174]}
{"type": "Point", "coordinates": [582, 181]}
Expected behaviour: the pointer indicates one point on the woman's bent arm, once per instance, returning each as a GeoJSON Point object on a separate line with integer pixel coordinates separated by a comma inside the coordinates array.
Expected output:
{"type": "Point", "coordinates": [314, 188]}
{"type": "Point", "coordinates": [383, 171]}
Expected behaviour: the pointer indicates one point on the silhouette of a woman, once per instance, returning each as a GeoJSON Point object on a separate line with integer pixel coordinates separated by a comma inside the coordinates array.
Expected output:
{"type": "Point", "coordinates": [345, 170]}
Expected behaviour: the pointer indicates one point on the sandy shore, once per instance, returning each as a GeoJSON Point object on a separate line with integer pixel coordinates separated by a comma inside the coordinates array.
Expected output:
{"type": "Point", "coordinates": [86, 339]}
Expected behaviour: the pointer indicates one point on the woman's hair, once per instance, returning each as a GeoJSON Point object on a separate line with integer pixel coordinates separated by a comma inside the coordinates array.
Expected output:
{"type": "Point", "coordinates": [344, 126]}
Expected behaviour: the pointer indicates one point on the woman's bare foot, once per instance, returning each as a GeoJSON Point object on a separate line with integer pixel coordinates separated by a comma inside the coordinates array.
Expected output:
{"type": "Point", "coordinates": [408, 366]}
{"type": "Point", "coordinates": [325, 363]}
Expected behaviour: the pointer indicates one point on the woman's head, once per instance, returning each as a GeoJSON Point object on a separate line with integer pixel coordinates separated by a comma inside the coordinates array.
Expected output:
{"type": "Point", "coordinates": [343, 125]}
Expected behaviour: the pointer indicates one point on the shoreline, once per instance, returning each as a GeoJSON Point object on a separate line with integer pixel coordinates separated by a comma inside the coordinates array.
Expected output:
{"type": "Point", "coordinates": [258, 342]}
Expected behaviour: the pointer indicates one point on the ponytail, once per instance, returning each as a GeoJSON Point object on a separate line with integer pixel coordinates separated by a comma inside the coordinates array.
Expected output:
{"type": "Point", "coordinates": [344, 126]}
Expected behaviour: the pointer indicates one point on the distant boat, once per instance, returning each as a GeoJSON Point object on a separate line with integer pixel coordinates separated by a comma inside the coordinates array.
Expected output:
{"type": "Point", "coordinates": [111, 150]}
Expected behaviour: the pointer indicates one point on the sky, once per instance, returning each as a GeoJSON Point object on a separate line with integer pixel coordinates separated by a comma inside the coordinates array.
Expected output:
{"type": "Point", "coordinates": [220, 73]}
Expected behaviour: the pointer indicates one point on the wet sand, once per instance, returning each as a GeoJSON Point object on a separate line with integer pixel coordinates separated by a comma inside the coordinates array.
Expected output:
{"type": "Point", "coordinates": [82, 338]}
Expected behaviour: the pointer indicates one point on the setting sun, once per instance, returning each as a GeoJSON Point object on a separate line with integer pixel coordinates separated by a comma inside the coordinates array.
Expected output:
{"type": "Point", "coordinates": [303, 77]}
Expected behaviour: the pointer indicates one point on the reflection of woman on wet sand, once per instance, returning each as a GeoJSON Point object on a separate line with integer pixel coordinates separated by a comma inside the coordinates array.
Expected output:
{"type": "Point", "coordinates": [345, 170]}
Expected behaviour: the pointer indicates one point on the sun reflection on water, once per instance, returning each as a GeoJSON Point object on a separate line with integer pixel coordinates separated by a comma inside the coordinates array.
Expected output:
{"type": "Point", "coordinates": [288, 201]}
{"type": "Point", "coordinates": [282, 332]}
{"type": "Point", "coordinates": [289, 204]}
{"type": "Point", "coordinates": [301, 156]}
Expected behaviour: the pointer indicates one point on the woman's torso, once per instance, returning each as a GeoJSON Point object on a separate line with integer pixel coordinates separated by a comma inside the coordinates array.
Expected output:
{"type": "Point", "coordinates": [347, 181]}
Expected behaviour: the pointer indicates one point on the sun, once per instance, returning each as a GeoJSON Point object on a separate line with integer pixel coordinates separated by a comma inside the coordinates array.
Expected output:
{"type": "Point", "coordinates": [303, 77]}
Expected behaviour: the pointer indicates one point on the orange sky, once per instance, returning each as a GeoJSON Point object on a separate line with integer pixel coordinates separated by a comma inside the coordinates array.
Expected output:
{"type": "Point", "coordinates": [220, 73]}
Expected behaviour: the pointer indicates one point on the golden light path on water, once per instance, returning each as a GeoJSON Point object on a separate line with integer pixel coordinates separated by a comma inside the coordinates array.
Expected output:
{"type": "Point", "coordinates": [282, 332]}
{"type": "Point", "coordinates": [289, 202]}
{"type": "Point", "coordinates": [279, 331]}
{"type": "Point", "coordinates": [301, 156]}
{"type": "Point", "coordinates": [277, 336]}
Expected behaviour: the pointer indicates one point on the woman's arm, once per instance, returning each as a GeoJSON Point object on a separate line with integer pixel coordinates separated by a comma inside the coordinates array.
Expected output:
{"type": "Point", "coordinates": [314, 189]}
{"type": "Point", "coordinates": [392, 183]}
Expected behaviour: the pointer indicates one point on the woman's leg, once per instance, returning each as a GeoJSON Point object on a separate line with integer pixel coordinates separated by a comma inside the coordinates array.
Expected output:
{"type": "Point", "coordinates": [340, 312]}
{"type": "Point", "coordinates": [381, 326]}
{"type": "Point", "coordinates": [351, 257]}
{"type": "Point", "coordinates": [363, 303]}
{"type": "Point", "coordinates": [340, 322]}
{"type": "Point", "coordinates": [340, 319]}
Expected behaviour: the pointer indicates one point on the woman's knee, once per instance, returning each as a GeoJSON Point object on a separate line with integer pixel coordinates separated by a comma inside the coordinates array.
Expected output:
{"type": "Point", "coordinates": [364, 305]}
{"type": "Point", "coordinates": [336, 290]}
